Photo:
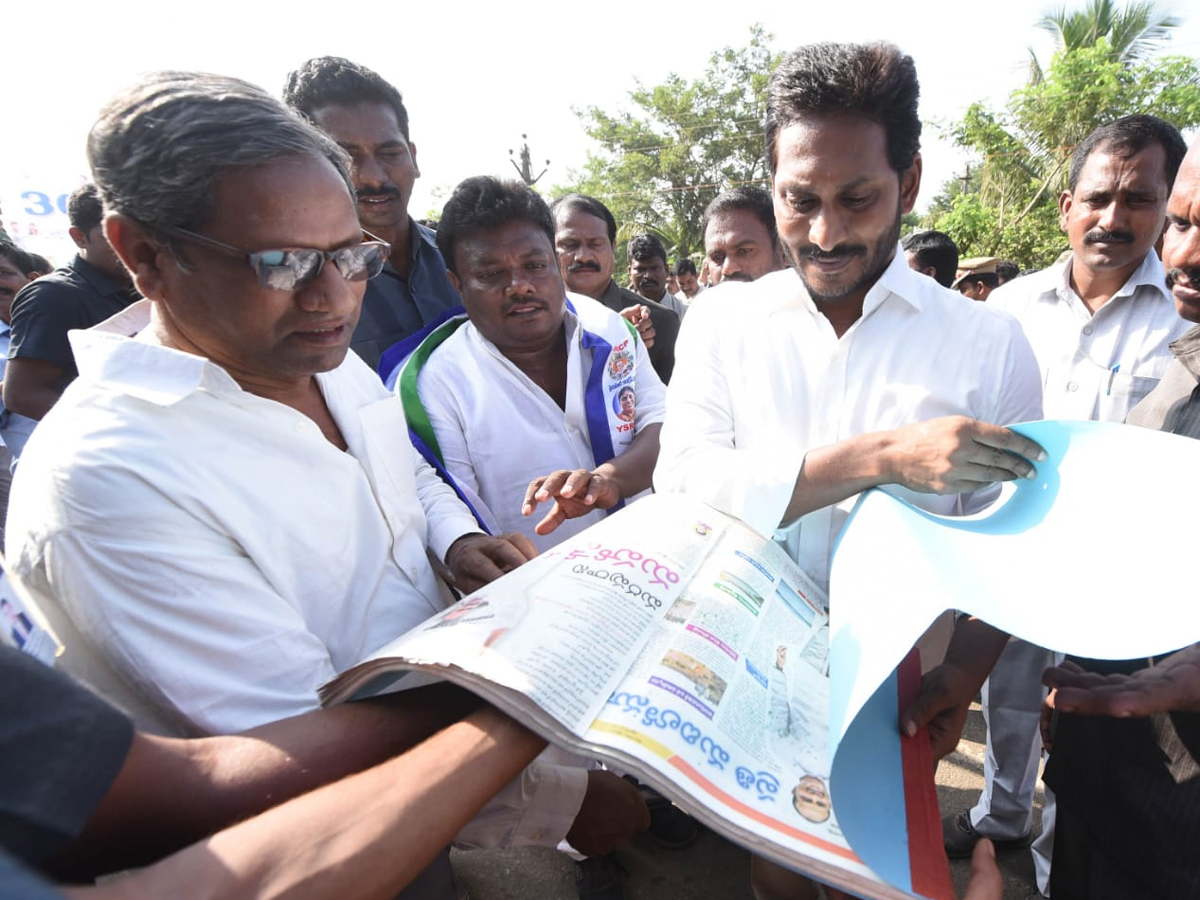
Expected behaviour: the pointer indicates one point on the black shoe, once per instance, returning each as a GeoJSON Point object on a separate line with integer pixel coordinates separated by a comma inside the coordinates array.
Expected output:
{"type": "Point", "coordinates": [961, 837]}
{"type": "Point", "coordinates": [600, 878]}
{"type": "Point", "coordinates": [670, 826]}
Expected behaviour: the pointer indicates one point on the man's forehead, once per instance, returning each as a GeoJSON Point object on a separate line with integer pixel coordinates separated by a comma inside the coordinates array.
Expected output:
{"type": "Point", "coordinates": [360, 124]}
{"type": "Point", "coordinates": [579, 220]}
{"type": "Point", "coordinates": [1109, 162]}
{"type": "Point", "coordinates": [520, 237]}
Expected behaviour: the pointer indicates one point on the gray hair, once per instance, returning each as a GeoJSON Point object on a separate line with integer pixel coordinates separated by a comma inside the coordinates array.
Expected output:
{"type": "Point", "coordinates": [158, 148]}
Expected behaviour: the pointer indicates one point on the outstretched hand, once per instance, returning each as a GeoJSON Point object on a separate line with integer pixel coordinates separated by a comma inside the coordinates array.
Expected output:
{"type": "Point", "coordinates": [477, 559]}
{"type": "Point", "coordinates": [574, 492]}
{"type": "Point", "coordinates": [1171, 686]}
{"type": "Point", "coordinates": [955, 455]}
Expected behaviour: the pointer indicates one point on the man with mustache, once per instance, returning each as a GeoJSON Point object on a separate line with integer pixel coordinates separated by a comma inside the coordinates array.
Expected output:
{"type": "Point", "coordinates": [516, 400]}
{"type": "Point", "coordinates": [1124, 736]}
{"type": "Point", "coordinates": [585, 239]}
{"type": "Point", "coordinates": [649, 272]}
{"type": "Point", "coordinates": [367, 117]}
{"type": "Point", "coordinates": [741, 242]}
{"type": "Point", "coordinates": [850, 370]}
{"type": "Point", "coordinates": [541, 407]}
{"type": "Point", "coordinates": [1100, 323]}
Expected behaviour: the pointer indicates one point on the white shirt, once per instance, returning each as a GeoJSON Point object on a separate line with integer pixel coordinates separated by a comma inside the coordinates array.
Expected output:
{"type": "Point", "coordinates": [223, 555]}
{"type": "Point", "coordinates": [755, 391]}
{"type": "Point", "coordinates": [209, 558]}
{"type": "Point", "coordinates": [1095, 366]}
{"type": "Point", "coordinates": [498, 430]}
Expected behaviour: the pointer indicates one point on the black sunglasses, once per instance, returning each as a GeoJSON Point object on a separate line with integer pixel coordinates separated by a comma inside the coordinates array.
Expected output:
{"type": "Point", "coordinates": [290, 270]}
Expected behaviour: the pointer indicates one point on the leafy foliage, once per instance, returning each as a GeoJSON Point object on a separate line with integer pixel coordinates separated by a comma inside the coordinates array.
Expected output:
{"type": "Point", "coordinates": [1024, 151]}
{"type": "Point", "coordinates": [659, 166]}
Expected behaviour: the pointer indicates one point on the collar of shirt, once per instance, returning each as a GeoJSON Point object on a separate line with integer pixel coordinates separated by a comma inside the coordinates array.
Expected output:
{"type": "Point", "coordinates": [99, 282]}
{"type": "Point", "coordinates": [118, 352]}
{"type": "Point", "coordinates": [1186, 349]}
{"type": "Point", "coordinates": [1149, 275]}
{"type": "Point", "coordinates": [897, 280]}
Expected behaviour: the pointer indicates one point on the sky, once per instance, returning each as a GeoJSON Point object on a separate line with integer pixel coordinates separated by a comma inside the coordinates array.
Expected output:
{"type": "Point", "coordinates": [475, 77]}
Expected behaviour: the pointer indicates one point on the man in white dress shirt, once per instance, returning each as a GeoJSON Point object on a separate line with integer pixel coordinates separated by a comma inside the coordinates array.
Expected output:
{"type": "Point", "coordinates": [1100, 323]}
{"type": "Point", "coordinates": [849, 371]}
{"type": "Point", "coordinates": [223, 510]}
{"type": "Point", "coordinates": [534, 396]}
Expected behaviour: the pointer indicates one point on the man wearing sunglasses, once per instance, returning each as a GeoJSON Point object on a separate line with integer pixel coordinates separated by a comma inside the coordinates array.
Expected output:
{"type": "Point", "coordinates": [225, 511]}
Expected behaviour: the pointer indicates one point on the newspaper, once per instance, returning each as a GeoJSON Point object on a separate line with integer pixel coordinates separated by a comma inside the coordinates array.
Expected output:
{"type": "Point", "coordinates": [674, 642]}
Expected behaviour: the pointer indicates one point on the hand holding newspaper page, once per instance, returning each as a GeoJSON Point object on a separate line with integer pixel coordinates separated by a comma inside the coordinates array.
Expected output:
{"type": "Point", "coordinates": [673, 642]}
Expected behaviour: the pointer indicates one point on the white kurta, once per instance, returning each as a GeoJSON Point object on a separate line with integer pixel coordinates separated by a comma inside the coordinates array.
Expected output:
{"type": "Point", "coordinates": [1095, 366]}
{"type": "Point", "coordinates": [761, 378]}
{"type": "Point", "coordinates": [497, 430]}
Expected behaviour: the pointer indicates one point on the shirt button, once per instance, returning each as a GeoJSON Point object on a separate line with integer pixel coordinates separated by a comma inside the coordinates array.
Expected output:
{"type": "Point", "coordinates": [1087, 329]}
{"type": "Point", "coordinates": [1072, 386]}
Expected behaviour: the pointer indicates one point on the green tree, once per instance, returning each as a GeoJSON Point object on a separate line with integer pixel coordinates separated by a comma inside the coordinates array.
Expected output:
{"type": "Point", "coordinates": [1023, 152]}
{"type": "Point", "coordinates": [658, 166]}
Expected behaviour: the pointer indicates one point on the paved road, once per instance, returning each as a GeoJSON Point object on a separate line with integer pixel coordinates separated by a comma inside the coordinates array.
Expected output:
{"type": "Point", "coordinates": [713, 868]}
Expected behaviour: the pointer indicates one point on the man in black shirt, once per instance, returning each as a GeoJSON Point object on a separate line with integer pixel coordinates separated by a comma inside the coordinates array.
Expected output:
{"type": "Point", "coordinates": [86, 291]}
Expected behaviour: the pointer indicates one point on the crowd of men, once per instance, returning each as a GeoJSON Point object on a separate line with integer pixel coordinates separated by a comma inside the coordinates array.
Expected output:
{"type": "Point", "coordinates": [222, 505]}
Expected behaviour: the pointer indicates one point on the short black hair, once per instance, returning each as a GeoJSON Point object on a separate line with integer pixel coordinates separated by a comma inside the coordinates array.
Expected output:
{"type": "Point", "coordinates": [684, 266]}
{"type": "Point", "coordinates": [646, 246]}
{"type": "Point", "coordinates": [485, 202]}
{"type": "Point", "coordinates": [334, 81]}
{"type": "Point", "coordinates": [987, 279]}
{"type": "Point", "coordinates": [23, 260]}
{"type": "Point", "coordinates": [1008, 270]}
{"type": "Point", "coordinates": [936, 249]}
{"type": "Point", "coordinates": [1129, 135]}
{"type": "Point", "coordinates": [84, 209]}
{"type": "Point", "coordinates": [590, 205]}
{"type": "Point", "coordinates": [753, 200]}
{"type": "Point", "coordinates": [876, 81]}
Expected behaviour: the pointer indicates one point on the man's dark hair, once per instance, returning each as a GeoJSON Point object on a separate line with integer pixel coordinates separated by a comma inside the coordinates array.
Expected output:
{"type": "Point", "coordinates": [333, 81]}
{"type": "Point", "coordinates": [646, 246]}
{"type": "Point", "coordinates": [876, 81]}
{"type": "Point", "coordinates": [590, 205]}
{"type": "Point", "coordinates": [158, 148]}
{"type": "Point", "coordinates": [1007, 270]}
{"type": "Point", "coordinates": [936, 249]}
{"type": "Point", "coordinates": [987, 279]}
{"type": "Point", "coordinates": [684, 266]}
{"type": "Point", "coordinates": [1127, 136]}
{"type": "Point", "coordinates": [84, 209]}
{"type": "Point", "coordinates": [22, 260]}
{"type": "Point", "coordinates": [482, 203]}
{"type": "Point", "coordinates": [753, 200]}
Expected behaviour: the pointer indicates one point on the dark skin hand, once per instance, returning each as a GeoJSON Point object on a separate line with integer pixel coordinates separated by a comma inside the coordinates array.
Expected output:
{"type": "Point", "coordinates": [1171, 686]}
{"type": "Point", "coordinates": [478, 559]}
{"type": "Point", "coordinates": [575, 492]}
{"type": "Point", "coordinates": [948, 689]}
{"type": "Point", "coordinates": [639, 318]}
{"type": "Point", "coordinates": [612, 811]}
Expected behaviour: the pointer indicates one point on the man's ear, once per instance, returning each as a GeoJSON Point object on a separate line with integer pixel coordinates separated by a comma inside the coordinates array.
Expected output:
{"type": "Point", "coordinates": [142, 253]}
{"type": "Point", "coordinates": [910, 185]}
{"type": "Point", "coordinates": [78, 237]}
{"type": "Point", "coordinates": [412, 151]}
{"type": "Point", "coordinates": [1065, 201]}
{"type": "Point", "coordinates": [454, 281]}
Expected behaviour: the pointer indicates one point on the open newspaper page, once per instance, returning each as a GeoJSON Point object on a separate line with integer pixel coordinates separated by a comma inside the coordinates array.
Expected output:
{"type": "Point", "coordinates": [672, 641]}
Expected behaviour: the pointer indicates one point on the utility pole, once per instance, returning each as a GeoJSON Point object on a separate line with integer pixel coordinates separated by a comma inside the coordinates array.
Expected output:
{"type": "Point", "coordinates": [525, 169]}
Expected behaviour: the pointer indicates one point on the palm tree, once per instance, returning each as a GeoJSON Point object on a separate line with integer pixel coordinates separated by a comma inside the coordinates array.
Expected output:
{"type": "Point", "coordinates": [1132, 33]}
